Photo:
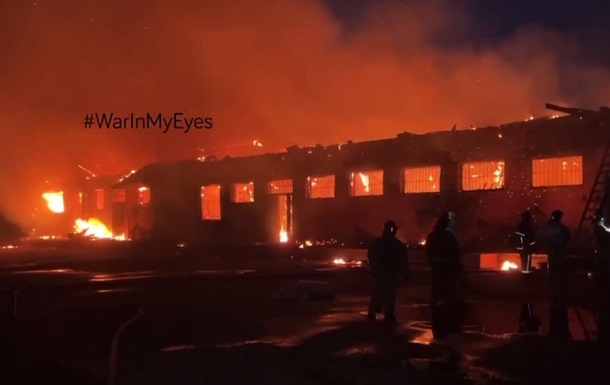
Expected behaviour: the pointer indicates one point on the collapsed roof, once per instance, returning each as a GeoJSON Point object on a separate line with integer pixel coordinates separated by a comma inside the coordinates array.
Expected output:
{"type": "Point", "coordinates": [543, 134]}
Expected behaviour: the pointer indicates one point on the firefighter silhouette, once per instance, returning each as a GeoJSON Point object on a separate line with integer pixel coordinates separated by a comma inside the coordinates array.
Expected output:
{"type": "Point", "coordinates": [601, 283]}
{"type": "Point", "coordinates": [453, 225]}
{"type": "Point", "coordinates": [444, 256]}
{"type": "Point", "coordinates": [525, 233]}
{"type": "Point", "coordinates": [389, 265]}
{"type": "Point", "coordinates": [557, 238]}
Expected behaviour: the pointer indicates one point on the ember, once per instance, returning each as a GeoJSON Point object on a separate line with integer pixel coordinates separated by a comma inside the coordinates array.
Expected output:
{"type": "Point", "coordinates": [55, 201]}
{"type": "Point", "coordinates": [508, 265]}
{"type": "Point", "coordinates": [94, 228]}
{"type": "Point", "coordinates": [306, 244]}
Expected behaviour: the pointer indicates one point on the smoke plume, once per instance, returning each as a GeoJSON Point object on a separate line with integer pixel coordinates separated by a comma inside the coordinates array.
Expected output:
{"type": "Point", "coordinates": [282, 71]}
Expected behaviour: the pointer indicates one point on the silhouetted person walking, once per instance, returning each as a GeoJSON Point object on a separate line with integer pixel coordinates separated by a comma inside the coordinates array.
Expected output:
{"type": "Point", "coordinates": [525, 232]}
{"type": "Point", "coordinates": [444, 255]}
{"type": "Point", "coordinates": [557, 237]}
{"type": "Point", "coordinates": [388, 263]}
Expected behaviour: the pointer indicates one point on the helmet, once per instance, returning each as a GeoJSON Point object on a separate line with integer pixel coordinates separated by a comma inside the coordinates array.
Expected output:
{"type": "Point", "coordinates": [557, 215]}
{"type": "Point", "coordinates": [390, 226]}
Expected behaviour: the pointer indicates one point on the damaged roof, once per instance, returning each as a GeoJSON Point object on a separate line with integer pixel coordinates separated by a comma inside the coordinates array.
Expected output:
{"type": "Point", "coordinates": [538, 134]}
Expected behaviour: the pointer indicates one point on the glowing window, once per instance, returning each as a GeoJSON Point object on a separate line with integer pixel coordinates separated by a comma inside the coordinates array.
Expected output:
{"type": "Point", "coordinates": [143, 195]}
{"type": "Point", "coordinates": [421, 180]}
{"type": "Point", "coordinates": [99, 199]}
{"type": "Point", "coordinates": [283, 187]}
{"type": "Point", "coordinates": [482, 176]}
{"type": "Point", "coordinates": [210, 202]}
{"type": "Point", "coordinates": [243, 192]}
{"type": "Point", "coordinates": [119, 195]}
{"type": "Point", "coordinates": [566, 171]}
{"type": "Point", "coordinates": [321, 187]}
{"type": "Point", "coordinates": [366, 183]}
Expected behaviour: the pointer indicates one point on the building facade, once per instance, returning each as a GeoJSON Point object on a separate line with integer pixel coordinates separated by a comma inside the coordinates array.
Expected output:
{"type": "Point", "coordinates": [346, 192]}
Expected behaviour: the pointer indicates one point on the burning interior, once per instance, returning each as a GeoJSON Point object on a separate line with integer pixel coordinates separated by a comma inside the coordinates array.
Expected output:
{"type": "Point", "coordinates": [84, 210]}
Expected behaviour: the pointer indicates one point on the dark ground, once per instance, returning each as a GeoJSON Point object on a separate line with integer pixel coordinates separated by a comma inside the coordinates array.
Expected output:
{"type": "Point", "coordinates": [211, 323]}
{"type": "Point", "coordinates": [8, 229]}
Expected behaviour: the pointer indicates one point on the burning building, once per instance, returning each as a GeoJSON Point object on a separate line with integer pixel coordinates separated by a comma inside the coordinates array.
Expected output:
{"type": "Point", "coordinates": [487, 176]}
{"type": "Point", "coordinates": [81, 206]}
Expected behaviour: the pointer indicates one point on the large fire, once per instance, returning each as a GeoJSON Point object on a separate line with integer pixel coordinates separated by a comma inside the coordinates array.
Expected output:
{"type": "Point", "coordinates": [55, 201]}
{"type": "Point", "coordinates": [95, 228]}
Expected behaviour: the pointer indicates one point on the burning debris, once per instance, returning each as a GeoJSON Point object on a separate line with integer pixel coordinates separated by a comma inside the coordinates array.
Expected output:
{"type": "Point", "coordinates": [94, 228]}
{"type": "Point", "coordinates": [343, 262]}
{"type": "Point", "coordinates": [129, 174]}
{"type": "Point", "coordinates": [508, 266]}
{"type": "Point", "coordinates": [305, 244]}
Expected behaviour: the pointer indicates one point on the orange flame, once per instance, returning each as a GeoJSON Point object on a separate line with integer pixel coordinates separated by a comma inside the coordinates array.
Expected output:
{"type": "Point", "coordinates": [55, 201]}
{"type": "Point", "coordinates": [95, 228]}
{"type": "Point", "coordinates": [499, 174]}
{"type": "Point", "coordinates": [283, 235]}
{"type": "Point", "coordinates": [364, 179]}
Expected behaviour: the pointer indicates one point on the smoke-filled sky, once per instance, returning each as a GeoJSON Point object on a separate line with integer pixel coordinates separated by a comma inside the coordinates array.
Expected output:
{"type": "Point", "coordinates": [282, 71]}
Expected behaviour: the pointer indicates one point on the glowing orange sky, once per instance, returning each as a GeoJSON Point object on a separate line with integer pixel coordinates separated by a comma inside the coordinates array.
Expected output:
{"type": "Point", "coordinates": [283, 72]}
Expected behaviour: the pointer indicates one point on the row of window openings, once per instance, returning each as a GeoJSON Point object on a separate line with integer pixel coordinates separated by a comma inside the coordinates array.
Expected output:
{"type": "Point", "coordinates": [565, 171]}
{"type": "Point", "coordinates": [548, 172]}
{"type": "Point", "coordinates": [475, 176]}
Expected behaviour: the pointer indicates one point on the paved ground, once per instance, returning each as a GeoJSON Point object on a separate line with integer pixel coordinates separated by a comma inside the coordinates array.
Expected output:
{"type": "Point", "coordinates": [202, 323]}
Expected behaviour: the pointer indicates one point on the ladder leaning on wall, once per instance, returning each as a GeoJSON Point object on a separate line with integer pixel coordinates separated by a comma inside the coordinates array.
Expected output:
{"type": "Point", "coordinates": [597, 196]}
{"type": "Point", "coordinates": [600, 192]}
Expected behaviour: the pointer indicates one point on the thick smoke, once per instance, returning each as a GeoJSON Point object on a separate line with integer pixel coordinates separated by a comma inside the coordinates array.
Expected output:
{"type": "Point", "coordinates": [285, 72]}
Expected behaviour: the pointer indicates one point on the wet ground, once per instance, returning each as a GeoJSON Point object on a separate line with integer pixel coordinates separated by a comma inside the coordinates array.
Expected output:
{"type": "Point", "coordinates": [196, 324]}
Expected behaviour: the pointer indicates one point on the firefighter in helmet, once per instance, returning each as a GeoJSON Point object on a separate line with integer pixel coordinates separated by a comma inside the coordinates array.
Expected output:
{"type": "Point", "coordinates": [557, 237]}
{"type": "Point", "coordinates": [389, 266]}
{"type": "Point", "coordinates": [525, 232]}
